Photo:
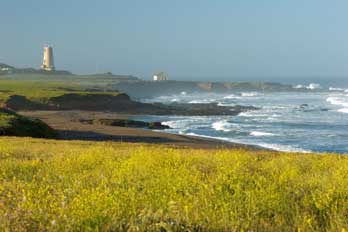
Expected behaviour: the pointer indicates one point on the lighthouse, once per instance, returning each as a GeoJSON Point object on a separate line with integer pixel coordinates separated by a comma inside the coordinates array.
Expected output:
{"type": "Point", "coordinates": [48, 63]}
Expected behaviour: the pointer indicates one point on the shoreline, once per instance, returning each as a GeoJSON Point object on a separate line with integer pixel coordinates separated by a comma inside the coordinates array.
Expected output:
{"type": "Point", "coordinates": [70, 128]}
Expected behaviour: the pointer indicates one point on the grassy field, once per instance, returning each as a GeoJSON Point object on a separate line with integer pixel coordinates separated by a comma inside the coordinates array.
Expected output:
{"type": "Point", "coordinates": [42, 91]}
{"type": "Point", "coordinates": [48, 185]}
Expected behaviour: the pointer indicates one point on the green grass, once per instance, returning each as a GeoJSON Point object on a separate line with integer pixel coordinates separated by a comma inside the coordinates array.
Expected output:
{"type": "Point", "coordinates": [48, 185]}
{"type": "Point", "coordinates": [42, 91]}
{"type": "Point", "coordinates": [98, 80]}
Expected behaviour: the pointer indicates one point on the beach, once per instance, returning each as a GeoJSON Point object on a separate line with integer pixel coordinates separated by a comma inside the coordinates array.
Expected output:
{"type": "Point", "coordinates": [69, 127]}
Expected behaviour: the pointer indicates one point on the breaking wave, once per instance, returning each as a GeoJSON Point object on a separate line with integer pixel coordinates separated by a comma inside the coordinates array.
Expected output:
{"type": "Point", "coordinates": [250, 94]}
{"type": "Point", "coordinates": [224, 125]}
{"type": "Point", "coordinates": [285, 121]}
{"type": "Point", "coordinates": [343, 110]}
{"type": "Point", "coordinates": [275, 147]}
{"type": "Point", "coordinates": [285, 148]}
{"type": "Point", "coordinates": [178, 124]}
{"type": "Point", "coordinates": [311, 86]}
{"type": "Point", "coordinates": [252, 114]}
{"type": "Point", "coordinates": [232, 96]}
{"type": "Point", "coordinates": [339, 101]}
{"type": "Point", "coordinates": [203, 101]}
{"type": "Point", "coordinates": [260, 133]}
{"type": "Point", "coordinates": [336, 89]}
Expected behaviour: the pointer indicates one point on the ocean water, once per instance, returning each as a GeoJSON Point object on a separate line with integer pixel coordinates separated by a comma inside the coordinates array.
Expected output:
{"type": "Point", "coordinates": [315, 120]}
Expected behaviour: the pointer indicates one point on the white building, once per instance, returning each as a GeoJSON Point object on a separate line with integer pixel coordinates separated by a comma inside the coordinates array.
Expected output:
{"type": "Point", "coordinates": [160, 77]}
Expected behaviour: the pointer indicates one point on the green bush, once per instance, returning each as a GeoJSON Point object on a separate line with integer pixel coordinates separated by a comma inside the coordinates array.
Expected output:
{"type": "Point", "coordinates": [12, 124]}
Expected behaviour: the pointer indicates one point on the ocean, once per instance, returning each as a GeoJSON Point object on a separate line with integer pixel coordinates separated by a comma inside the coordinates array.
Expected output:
{"type": "Point", "coordinates": [312, 120]}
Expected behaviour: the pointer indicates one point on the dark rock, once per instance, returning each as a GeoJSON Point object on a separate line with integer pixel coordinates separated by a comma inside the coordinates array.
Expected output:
{"type": "Point", "coordinates": [17, 102]}
{"type": "Point", "coordinates": [126, 123]}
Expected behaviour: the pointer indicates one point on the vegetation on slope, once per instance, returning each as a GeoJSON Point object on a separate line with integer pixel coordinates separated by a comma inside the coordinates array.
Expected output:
{"type": "Point", "coordinates": [12, 124]}
{"type": "Point", "coordinates": [42, 91]}
{"type": "Point", "coordinates": [98, 80]}
{"type": "Point", "coordinates": [79, 186]}
{"type": "Point", "coordinates": [48, 95]}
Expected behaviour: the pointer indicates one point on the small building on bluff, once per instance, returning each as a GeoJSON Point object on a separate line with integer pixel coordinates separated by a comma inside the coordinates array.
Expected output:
{"type": "Point", "coordinates": [160, 77]}
{"type": "Point", "coordinates": [48, 62]}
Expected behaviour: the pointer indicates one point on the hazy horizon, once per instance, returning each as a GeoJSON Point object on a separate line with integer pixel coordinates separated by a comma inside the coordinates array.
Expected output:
{"type": "Point", "coordinates": [288, 42]}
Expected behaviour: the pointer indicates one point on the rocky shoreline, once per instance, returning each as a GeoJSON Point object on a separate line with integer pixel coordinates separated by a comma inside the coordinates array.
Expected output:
{"type": "Point", "coordinates": [122, 104]}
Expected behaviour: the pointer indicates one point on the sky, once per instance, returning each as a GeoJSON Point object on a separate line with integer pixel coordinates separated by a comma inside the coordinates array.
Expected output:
{"type": "Point", "coordinates": [265, 40]}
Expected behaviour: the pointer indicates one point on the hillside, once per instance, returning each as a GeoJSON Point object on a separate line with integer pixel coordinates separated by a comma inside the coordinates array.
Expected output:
{"type": "Point", "coordinates": [48, 185]}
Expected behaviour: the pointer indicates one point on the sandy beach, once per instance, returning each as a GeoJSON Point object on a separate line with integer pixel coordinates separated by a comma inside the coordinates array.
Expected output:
{"type": "Point", "coordinates": [69, 127]}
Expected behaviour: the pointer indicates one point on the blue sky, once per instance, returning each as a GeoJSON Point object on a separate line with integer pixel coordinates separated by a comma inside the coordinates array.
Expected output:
{"type": "Point", "coordinates": [189, 39]}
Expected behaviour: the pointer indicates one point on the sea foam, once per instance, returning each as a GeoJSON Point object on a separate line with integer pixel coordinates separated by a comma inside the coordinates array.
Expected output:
{"type": "Point", "coordinates": [335, 89]}
{"type": "Point", "coordinates": [276, 147]}
{"type": "Point", "coordinates": [284, 148]}
{"type": "Point", "coordinates": [260, 133]}
{"type": "Point", "coordinates": [222, 126]}
{"type": "Point", "coordinates": [339, 101]}
{"type": "Point", "coordinates": [249, 94]}
{"type": "Point", "coordinates": [343, 110]}
{"type": "Point", "coordinates": [311, 86]}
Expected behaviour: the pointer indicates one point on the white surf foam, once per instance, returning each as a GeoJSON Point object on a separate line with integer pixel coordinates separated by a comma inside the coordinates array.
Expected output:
{"type": "Point", "coordinates": [184, 123]}
{"type": "Point", "coordinates": [260, 133]}
{"type": "Point", "coordinates": [171, 124]}
{"type": "Point", "coordinates": [341, 101]}
{"type": "Point", "coordinates": [299, 87]}
{"type": "Point", "coordinates": [311, 86]}
{"type": "Point", "coordinates": [338, 101]}
{"type": "Point", "coordinates": [335, 89]}
{"type": "Point", "coordinates": [249, 94]}
{"type": "Point", "coordinates": [177, 124]}
{"type": "Point", "coordinates": [232, 96]}
{"type": "Point", "coordinates": [285, 148]}
{"type": "Point", "coordinates": [222, 126]}
{"type": "Point", "coordinates": [250, 114]}
{"type": "Point", "coordinates": [226, 104]}
{"type": "Point", "coordinates": [344, 110]}
{"type": "Point", "coordinates": [203, 101]}
{"type": "Point", "coordinates": [276, 147]}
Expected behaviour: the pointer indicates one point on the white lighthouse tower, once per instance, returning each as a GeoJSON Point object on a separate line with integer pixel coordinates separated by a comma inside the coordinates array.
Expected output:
{"type": "Point", "coordinates": [48, 62]}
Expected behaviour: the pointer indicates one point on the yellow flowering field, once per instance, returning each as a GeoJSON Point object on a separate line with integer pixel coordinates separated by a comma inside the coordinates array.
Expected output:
{"type": "Point", "coordinates": [48, 185]}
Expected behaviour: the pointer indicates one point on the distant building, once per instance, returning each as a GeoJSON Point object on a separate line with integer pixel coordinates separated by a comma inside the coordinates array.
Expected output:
{"type": "Point", "coordinates": [48, 62]}
{"type": "Point", "coordinates": [160, 77]}
{"type": "Point", "coordinates": [6, 70]}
